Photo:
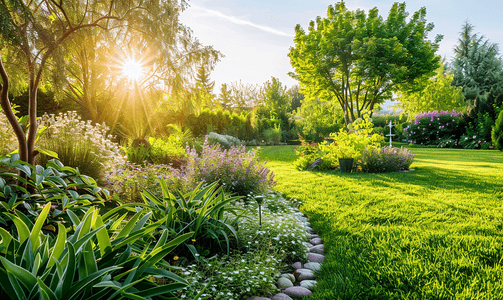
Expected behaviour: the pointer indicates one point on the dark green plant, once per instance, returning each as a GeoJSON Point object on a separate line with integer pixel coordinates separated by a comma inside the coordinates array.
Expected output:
{"type": "Point", "coordinates": [97, 261]}
{"type": "Point", "coordinates": [26, 187]}
{"type": "Point", "coordinates": [203, 211]}
{"type": "Point", "coordinates": [497, 132]}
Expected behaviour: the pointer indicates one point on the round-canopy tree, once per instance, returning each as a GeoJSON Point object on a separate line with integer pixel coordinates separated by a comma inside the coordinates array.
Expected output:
{"type": "Point", "coordinates": [358, 60]}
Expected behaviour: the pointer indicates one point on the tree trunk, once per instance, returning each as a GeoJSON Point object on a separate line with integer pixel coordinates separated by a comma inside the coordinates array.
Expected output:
{"type": "Point", "coordinates": [11, 117]}
{"type": "Point", "coordinates": [32, 114]}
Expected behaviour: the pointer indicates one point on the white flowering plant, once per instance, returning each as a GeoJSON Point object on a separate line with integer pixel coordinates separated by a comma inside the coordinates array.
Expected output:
{"type": "Point", "coordinates": [79, 144]}
{"type": "Point", "coordinates": [281, 232]}
{"type": "Point", "coordinates": [231, 278]}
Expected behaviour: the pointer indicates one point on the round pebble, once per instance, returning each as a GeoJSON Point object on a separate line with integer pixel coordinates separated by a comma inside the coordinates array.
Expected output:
{"type": "Point", "coordinates": [308, 284]}
{"type": "Point", "coordinates": [315, 241]}
{"type": "Point", "coordinates": [315, 257]}
{"type": "Point", "coordinates": [297, 292]}
{"type": "Point", "coordinates": [304, 274]}
{"type": "Point", "coordinates": [281, 296]}
{"type": "Point", "coordinates": [315, 266]}
{"type": "Point", "coordinates": [289, 276]}
{"type": "Point", "coordinates": [284, 283]}
{"type": "Point", "coordinates": [297, 265]}
{"type": "Point", "coordinates": [320, 249]}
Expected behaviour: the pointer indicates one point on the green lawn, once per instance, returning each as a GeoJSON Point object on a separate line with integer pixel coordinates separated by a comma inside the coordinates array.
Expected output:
{"type": "Point", "coordinates": [433, 233]}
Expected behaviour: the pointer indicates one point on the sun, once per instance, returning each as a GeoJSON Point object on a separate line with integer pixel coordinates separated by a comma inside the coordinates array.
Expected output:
{"type": "Point", "coordinates": [132, 69]}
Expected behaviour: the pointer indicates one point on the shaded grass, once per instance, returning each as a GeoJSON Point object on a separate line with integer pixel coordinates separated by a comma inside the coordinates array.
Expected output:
{"type": "Point", "coordinates": [433, 233]}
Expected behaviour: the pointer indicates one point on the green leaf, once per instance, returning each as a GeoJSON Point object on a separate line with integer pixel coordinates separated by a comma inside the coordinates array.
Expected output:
{"type": "Point", "coordinates": [45, 291]}
{"type": "Point", "coordinates": [24, 276]}
{"type": "Point", "coordinates": [36, 231]}
{"type": "Point", "coordinates": [160, 290]}
{"type": "Point", "coordinates": [47, 152]}
{"type": "Point", "coordinates": [129, 226]}
{"type": "Point", "coordinates": [6, 238]}
{"type": "Point", "coordinates": [22, 230]}
{"type": "Point", "coordinates": [89, 281]}
{"type": "Point", "coordinates": [59, 246]}
{"type": "Point", "coordinates": [102, 235]}
{"type": "Point", "coordinates": [7, 286]}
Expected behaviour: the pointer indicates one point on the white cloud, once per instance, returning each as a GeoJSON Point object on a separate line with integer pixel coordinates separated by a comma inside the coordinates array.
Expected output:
{"type": "Point", "coordinates": [239, 21]}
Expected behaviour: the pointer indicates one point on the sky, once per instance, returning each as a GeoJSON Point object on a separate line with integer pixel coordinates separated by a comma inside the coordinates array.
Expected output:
{"type": "Point", "coordinates": [255, 36]}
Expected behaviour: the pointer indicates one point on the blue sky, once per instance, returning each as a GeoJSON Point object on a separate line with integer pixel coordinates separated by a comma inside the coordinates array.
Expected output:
{"type": "Point", "coordinates": [255, 36]}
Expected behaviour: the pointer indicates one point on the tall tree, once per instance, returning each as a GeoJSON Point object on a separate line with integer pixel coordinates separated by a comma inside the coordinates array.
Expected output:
{"type": "Point", "coordinates": [225, 97]}
{"type": "Point", "coordinates": [478, 69]}
{"type": "Point", "coordinates": [434, 93]}
{"type": "Point", "coordinates": [358, 60]}
{"type": "Point", "coordinates": [32, 34]}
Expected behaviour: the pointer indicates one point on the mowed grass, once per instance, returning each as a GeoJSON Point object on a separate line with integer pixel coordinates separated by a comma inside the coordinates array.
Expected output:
{"type": "Point", "coordinates": [433, 233]}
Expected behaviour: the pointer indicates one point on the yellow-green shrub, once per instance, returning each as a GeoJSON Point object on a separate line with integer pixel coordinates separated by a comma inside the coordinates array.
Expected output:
{"type": "Point", "coordinates": [351, 142]}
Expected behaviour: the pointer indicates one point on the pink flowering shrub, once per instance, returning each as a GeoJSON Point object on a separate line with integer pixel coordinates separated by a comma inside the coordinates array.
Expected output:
{"type": "Point", "coordinates": [238, 170]}
{"type": "Point", "coordinates": [386, 159]}
{"type": "Point", "coordinates": [433, 128]}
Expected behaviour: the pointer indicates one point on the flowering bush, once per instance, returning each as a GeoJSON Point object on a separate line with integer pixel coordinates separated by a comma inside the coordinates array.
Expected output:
{"type": "Point", "coordinates": [386, 159]}
{"type": "Point", "coordinates": [79, 144]}
{"type": "Point", "coordinates": [431, 128]}
{"type": "Point", "coordinates": [236, 169]}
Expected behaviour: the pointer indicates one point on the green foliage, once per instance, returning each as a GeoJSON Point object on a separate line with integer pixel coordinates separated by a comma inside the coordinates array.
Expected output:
{"type": "Point", "coordinates": [307, 153]}
{"type": "Point", "coordinates": [272, 135]}
{"type": "Point", "coordinates": [477, 66]}
{"type": "Point", "coordinates": [497, 132]}
{"type": "Point", "coordinates": [79, 144]}
{"type": "Point", "coordinates": [129, 180]}
{"type": "Point", "coordinates": [170, 151]}
{"type": "Point", "coordinates": [352, 144]}
{"type": "Point", "coordinates": [203, 211]}
{"type": "Point", "coordinates": [316, 119]}
{"type": "Point", "coordinates": [91, 262]}
{"type": "Point", "coordinates": [349, 59]}
{"type": "Point", "coordinates": [275, 107]}
{"type": "Point", "coordinates": [434, 93]}
{"type": "Point", "coordinates": [429, 234]}
{"type": "Point", "coordinates": [221, 122]}
{"type": "Point", "coordinates": [31, 187]}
